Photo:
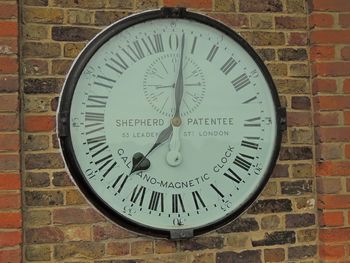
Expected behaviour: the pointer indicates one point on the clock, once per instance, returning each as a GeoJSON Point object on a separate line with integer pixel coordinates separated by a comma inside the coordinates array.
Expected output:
{"type": "Point", "coordinates": [169, 123]}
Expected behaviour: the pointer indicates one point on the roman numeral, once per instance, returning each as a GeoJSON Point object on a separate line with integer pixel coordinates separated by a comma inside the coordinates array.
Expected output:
{"type": "Point", "coordinates": [240, 82]}
{"type": "Point", "coordinates": [94, 116]}
{"type": "Point", "coordinates": [119, 65]}
{"type": "Point", "coordinates": [212, 53]}
{"type": "Point", "coordinates": [253, 122]}
{"type": "Point", "coordinates": [98, 141]}
{"type": "Point", "coordinates": [217, 191]}
{"type": "Point", "coordinates": [104, 82]}
{"type": "Point", "coordinates": [233, 176]}
{"type": "Point", "coordinates": [250, 144]}
{"type": "Point", "coordinates": [95, 101]}
{"type": "Point", "coordinates": [122, 178]}
{"type": "Point", "coordinates": [194, 45]}
{"type": "Point", "coordinates": [250, 100]}
{"type": "Point", "coordinates": [157, 199]}
{"type": "Point", "coordinates": [198, 201]}
{"type": "Point", "coordinates": [228, 66]}
{"type": "Point", "coordinates": [243, 163]}
{"type": "Point", "coordinates": [104, 160]}
{"type": "Point", "coordinates": [138, 194]}
{"type": "Point", "coordinates": [156, 44]}
{"type": "Point", "coordinates": [177, 203]}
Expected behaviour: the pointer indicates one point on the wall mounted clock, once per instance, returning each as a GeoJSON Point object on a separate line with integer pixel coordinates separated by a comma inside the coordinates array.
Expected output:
{"type": "Point", "coordinates": [170, 123]}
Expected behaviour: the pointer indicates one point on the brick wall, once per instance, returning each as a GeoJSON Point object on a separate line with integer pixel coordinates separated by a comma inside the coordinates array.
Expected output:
{"type": "Point", "coordinates": [10, 182]}
{"type": "Point", "coordinates": [330, 46]}
{"type": "Point", "coordinates": [282, 226]}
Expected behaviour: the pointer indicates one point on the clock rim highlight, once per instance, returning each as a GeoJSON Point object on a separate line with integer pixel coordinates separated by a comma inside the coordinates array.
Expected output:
{"type": "Point", "coordinates": [63, 120]}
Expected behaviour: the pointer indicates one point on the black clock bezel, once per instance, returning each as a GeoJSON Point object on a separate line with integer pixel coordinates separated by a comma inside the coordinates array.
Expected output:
{"type": "Point", "coordinates": [65, 139]}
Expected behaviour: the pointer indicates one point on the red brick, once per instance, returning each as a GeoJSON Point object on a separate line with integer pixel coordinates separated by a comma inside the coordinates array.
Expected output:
{"type": "Point", "coordinates": [297, 39]}
{"type": "Point", "coordinates": [324, 85]}
{"type": "Point", "coordinates": [334, 69]}
{"type": "Point", "coordinates": [333, 102]}
{"type": "Point", "coordinates": [347, 151]}
{"type": "Point", "coordinates": [344, 20]}
{"type": "Point", "coordinates": [8, 11]}
{"type": "Point", "coordinates": [9, 142]}
{"type": "Point", "coordinates": [331, 168]}
{"type": "Point", "coordinates": [334, 202]}
{"type": "Point", "coordinates": [346, 86]}
{"type": "Point", "coordinates": [10, 201]}
{"type": "Point", "coordinates": [331, 219]}
{"type": "Point", "coordinates": [334, 234]}
{"type": "Point", "coordinates": [10, 220]}
{"type": "Point", "coordinates": [345, 53]}
{"type": "Point", "coordinates": [10, 238]}
{"type": "Point", "coordinates": [9, 83]}
{"type": "Point", "coordinates": [9, 122]}
{"type": "Point", "coordinates": [327, 118]}
{"type": "Point", "coordinates": [76, 215]}
{"type": "Point", "coordinates": [198, 4]}
{"type": "Point", "coordinates": [9, 181]}
{"type": "Point", "coordinates": [333, 5]}
{"type": "Point", "coordinates": [329, 252]}
{"type": "Point", "coordinates": [298, 119]}
{"type": "Point", "coordinates": [8, 29]}
{"type": "Point", "coordinates": [11, 256]}
{"type": "Point", "coordinates": [330, 36]}
{"type": "Point", "coordinates": [321, 20]}
{"type": "Point", "coordinates": [322, 53]}
{"type": "Point", "coordinates": [330, 134]}
{"type": "Point", "coordinates": [8, 46]}
{"type": "Point", "coordinates": [347, 117]}
{"type": "Point", "coordinates": [9, 102]}
{"type": "Point", "coordinates": [39, 123]}
{"type": "Point", "coordinates": [9, 162]}
{"type": "Point", "coordinates": [8, 65]}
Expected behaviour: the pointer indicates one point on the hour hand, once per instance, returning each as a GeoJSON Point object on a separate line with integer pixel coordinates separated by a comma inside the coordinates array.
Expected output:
{"type": "Point", "coordinates": [140, 161]}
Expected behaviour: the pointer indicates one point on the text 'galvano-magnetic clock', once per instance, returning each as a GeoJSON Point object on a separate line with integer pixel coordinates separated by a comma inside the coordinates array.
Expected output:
{"type": "Point", "coordinates": [169, 123]}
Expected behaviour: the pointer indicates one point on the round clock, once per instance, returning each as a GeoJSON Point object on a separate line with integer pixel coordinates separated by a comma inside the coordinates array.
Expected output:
{"type": "Point", "coordinates": [169, 123]}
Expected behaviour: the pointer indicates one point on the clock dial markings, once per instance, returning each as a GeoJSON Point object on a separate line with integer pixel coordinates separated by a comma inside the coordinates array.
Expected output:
{"type": "Point", "coordinates": [228, 66]}
{"type": "Point", "coordinates": [177, 203]}
{"type": "Point", "coordinates": [194, 44]}
{"type": "Point", "coordinates": [250, 144]}
{"type": "Point", "coordinates": [242, 162]}
{"type": "Point", "coordinates": [217, 191]}
{"type": "Point", "coordinates": [198, 201]}
{"type": "Point", "coordinates": [119, 62]}
{"type": "Point", "coordinates": [212, 53]}
{"type": "Point", "coordinates": [156, 201]}
{"type": "Point", "coordinates": [240, 82]}
{"type": "Point", "coordinates": [253, 122]}
{"type": "Point", "coordinates": [96, 101]}
{"type": "Point", "coordinates": [233, 176]}
{"type": "Point", "coordinates": [138, 195]}
{"type": "Point", "coordinates": [250, 100]}
{"type": "Point", "coordinates": [122, 179]}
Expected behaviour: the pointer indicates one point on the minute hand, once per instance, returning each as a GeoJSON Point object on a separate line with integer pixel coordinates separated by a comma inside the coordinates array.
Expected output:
{"type": "Point", "coordinates": [179, 86]}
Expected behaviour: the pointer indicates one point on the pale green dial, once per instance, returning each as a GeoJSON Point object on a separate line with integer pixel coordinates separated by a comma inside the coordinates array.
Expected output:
{"type": "Point", "coordinates": [126, 96]}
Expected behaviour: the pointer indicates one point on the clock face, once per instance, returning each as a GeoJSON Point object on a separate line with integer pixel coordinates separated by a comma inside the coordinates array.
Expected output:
{"type": "Point", "coordinates": [127, 92]}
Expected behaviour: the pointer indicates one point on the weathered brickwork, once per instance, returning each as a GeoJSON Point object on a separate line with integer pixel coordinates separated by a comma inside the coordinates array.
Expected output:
{"type": "Point", "coordinates": [10, 179]}
{"type": "Point", "coordinates": [330, 67]}
{"type": "Point", "coordinates": [303, 215]}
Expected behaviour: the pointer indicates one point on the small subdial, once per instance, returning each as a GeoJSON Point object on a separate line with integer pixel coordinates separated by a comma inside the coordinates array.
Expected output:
{"type": "Point", "coordinates": [159, 84]}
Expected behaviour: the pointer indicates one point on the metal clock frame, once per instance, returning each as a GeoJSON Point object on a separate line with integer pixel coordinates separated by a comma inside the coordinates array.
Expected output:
{"type": "Point", "coordinates": [65, 139]}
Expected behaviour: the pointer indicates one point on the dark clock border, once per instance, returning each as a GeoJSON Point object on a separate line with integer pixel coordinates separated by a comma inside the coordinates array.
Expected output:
{"type": "Point", "coordinates": [65, 139]}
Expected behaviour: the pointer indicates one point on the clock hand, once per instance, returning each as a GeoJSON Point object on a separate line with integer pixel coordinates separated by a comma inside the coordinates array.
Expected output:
{"type": "Point", "coordinates": [179, 86]}
{"type": "Point", "coordinates": [174, 156]}
{"type": "Point", "coordinates": [140, 161]}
